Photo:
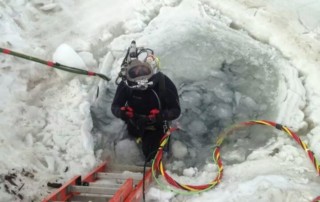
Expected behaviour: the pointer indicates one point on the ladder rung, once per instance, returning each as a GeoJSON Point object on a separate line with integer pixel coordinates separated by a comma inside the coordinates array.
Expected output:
{"type": "Point", "coordinates": [92, 197]}
{"type": "Point", "coordinates": [123, 167]}
{"type": "Point", "coordinates": [120, 176]}
{"type": "Point", "coordinates": [104, 183]}
{"type": "Point", "coordinates": [93, 190]}
{"type": "Point", "coordinates": [111, 182]}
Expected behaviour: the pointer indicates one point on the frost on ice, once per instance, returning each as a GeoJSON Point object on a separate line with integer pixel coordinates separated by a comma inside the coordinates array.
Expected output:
{"type": "Point", "coordinates": [222, 73]}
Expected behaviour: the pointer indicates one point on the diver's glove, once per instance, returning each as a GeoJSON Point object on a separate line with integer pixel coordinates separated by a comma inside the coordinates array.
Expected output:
{"type": "Point", "coordinates": [126, 113]}
{"type": "Point", "coordinates": [155, 115]}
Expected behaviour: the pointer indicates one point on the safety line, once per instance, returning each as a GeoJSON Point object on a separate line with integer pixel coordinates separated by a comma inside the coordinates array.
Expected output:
{"type": "Point", "coordinates": [157, 164]}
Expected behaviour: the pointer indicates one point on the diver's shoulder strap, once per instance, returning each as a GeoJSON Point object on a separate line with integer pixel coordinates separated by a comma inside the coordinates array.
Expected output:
{"type": "Point", "coordinates": [162, 87]}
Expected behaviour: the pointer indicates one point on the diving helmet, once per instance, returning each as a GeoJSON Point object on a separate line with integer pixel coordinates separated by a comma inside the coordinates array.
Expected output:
{"type": "Point", "coordinates": [139, 66]}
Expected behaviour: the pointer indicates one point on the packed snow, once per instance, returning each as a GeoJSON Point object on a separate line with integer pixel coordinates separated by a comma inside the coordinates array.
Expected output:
{"type": "Point", "coordinates": [231, 60]}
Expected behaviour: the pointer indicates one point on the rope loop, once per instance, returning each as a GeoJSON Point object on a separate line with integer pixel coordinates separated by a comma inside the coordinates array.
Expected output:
{"type": "Point", "coordinates": [157, 164]}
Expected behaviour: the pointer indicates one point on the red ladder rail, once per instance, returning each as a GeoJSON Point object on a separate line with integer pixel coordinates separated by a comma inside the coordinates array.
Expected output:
{"type": "Point", "coordinates": [316, 199]}
{"type": "Point", "coordinates": [94, 187]}
{"type": "Point", "coordinates": [136, 194]}
{"type": "Point", "coordinates": [123, 192]}
{"type": "Point", "coordinates": [92, 176]}
{"type": "Point", "coordinates": [63, 194]}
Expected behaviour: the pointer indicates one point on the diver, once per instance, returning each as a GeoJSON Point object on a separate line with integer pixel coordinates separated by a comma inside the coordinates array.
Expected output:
{"type": "Point", "coordinates": [146, 99]}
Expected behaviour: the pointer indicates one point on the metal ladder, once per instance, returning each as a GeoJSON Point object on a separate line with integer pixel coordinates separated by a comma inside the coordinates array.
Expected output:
{"type": "Point", "coordinates": [119, 183]}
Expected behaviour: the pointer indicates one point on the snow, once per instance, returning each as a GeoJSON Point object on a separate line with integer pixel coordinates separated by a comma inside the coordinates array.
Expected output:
{"type": "Point", "coordinates": [232, 60]}
{"type": "Point", "coordinates": [67, 56]}
{"type": "Point", "coordinates": [179, 150]}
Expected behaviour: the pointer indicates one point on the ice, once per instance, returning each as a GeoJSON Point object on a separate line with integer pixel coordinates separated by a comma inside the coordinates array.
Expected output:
{"type": "Point", "coordinates": [231, 60]}
{"type": "Point", "coordinates": [222, 111]}
{"type": "Point", "coordinates": [315, 141]}
{"type": "Point", "coordinates": [107, 65]}
{"type": "Point", "coordinates": [155, 194]}
{"type": "Point", "coordinates": [66, 55]}
{"type": "Point", "coordinates": [48, 7]}
{"type": "Point", "coordinates": [238, 155]}
{"type": "Point", "coordinates": [197, 127]}
{"type": "Point", "coordinates": [89, 60]}
{"type": "Point", "coordinates": [127, 151]}
{"type": "Point", "coordinates": [190, 172]}
{"type": "Point", "coordinates": [87, 126]}
{"type": "Point", "coordinates": [179, 150]}
{"type": "Point", "coordinates": [220, 108]}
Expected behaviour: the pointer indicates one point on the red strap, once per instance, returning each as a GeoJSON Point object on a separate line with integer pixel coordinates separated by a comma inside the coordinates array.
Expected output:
{"type": "Point", "coordinates": [50, 63]}
{"type": "Point", "coordinates": [6, 51]}
{"type": "Point", "coordinates": [91, 73]}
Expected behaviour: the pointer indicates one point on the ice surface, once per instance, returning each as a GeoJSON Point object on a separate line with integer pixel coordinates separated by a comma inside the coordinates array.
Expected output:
{"type": "Point", "coordinates": [65, 55]}
{"type": "Point", "coordinates": [218, 54]}
{"type": "Point", "coordinates": [179, 150]}
{"type": "Point", "coordinates": [236, 74]}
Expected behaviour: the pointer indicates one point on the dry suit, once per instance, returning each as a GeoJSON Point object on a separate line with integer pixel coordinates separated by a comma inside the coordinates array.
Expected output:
{"type": "Point", "coordinates": [162, 95]}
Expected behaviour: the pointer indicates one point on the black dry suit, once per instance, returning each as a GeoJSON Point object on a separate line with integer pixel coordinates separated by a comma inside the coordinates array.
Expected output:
{"type": "Point", "coordinates": [162, 96]}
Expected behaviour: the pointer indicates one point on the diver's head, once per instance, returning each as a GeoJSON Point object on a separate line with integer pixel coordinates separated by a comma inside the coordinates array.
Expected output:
{"type": "Point", "coordinates": [141, 65]}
